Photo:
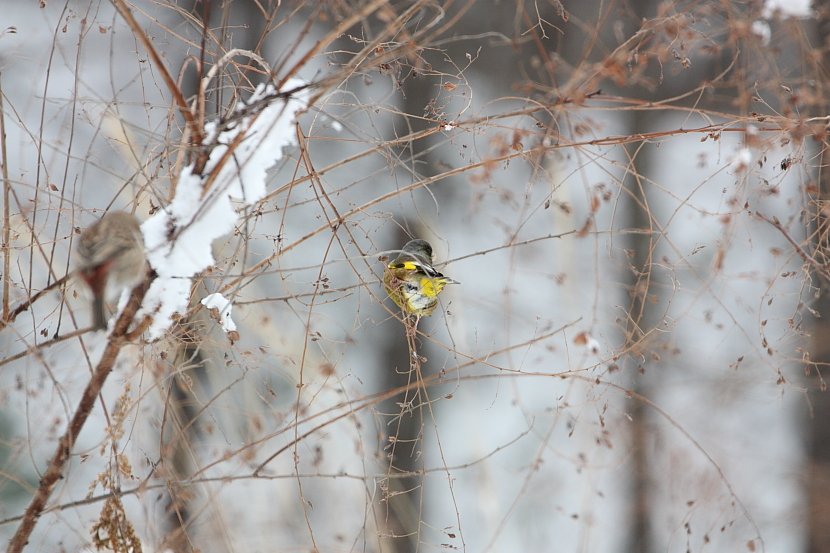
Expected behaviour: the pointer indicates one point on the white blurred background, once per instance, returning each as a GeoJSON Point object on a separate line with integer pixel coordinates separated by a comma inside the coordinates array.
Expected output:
{"type": "Point", "coordinates": [622, 369]}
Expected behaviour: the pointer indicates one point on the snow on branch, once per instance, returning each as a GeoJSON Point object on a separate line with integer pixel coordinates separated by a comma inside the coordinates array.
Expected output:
{"type": "Point", "coordinates": [179, 237]}
{"type": "Point", "coordinates": [224, 308]}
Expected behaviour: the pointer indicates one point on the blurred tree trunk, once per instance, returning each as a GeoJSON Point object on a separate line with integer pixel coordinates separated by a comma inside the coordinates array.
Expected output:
{"type": "Point", "coordinates": [404, 503]}
{"type": "Point", "coordinates": [423, 98]}
{"type": "Point", "coordinates": [641, 317]}
{"type": "Point", "coordinates": [176, 454]}
{"type": "Point", "coordinates": [402, 496]}
{"type": "Point", "coordinates": [237, 25]}
{"type": "Point", "coordinates": [817, 484]}
{"type": "Point", "coordinates": [638, 283]}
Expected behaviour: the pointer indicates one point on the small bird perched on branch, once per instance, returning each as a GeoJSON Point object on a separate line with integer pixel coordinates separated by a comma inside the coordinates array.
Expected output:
{"type": "Point", "coordinates": [413, 283]}
{"type": "Point", "coordinates": [111, 258]}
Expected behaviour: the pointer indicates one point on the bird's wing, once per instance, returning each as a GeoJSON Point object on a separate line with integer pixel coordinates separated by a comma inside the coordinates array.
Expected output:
{"type": "Point", "coordinates": [425, 268]}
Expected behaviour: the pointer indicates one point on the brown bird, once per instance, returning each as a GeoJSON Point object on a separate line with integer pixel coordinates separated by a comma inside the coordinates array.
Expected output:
{"type": "Point", "coordinates": [110, 258]}
{"type": "Point", "coordinates": [413, 283]}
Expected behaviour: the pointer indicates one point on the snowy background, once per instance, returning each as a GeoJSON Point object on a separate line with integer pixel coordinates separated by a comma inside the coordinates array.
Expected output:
{"type": "Point", "coordinates": [621, 360]}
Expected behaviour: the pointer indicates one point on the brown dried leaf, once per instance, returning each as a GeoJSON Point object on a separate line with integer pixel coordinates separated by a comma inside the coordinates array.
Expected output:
{"type": "Point", "coordinates": [589, 223]}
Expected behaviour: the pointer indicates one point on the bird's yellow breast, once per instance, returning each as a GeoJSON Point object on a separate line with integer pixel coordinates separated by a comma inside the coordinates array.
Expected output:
{"type": "Point", "coordinates": [431, 287]}
{"type": "Point", "coordinates": [414, 285]}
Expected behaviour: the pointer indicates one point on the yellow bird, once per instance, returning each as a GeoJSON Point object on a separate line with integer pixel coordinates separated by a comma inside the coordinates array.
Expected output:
{"type": "Point", "coordinates": [413, 283]}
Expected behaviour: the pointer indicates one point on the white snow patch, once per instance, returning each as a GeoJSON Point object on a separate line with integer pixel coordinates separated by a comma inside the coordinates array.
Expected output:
{"type": "Point", "coordinates": [225, 307]}
{"type": "Point", "coordinates": [592, 345]}
{"type": "Point", "coordinates": [761, 29]}
{"type": "Point", "coordinates": [740, 161]}
{"type": "Point", "coordinates": [798, 9]}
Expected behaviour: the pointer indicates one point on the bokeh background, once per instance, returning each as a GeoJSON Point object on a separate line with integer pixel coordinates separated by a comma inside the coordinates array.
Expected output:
{"type": "Point", "coordinates": [630, 192]}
